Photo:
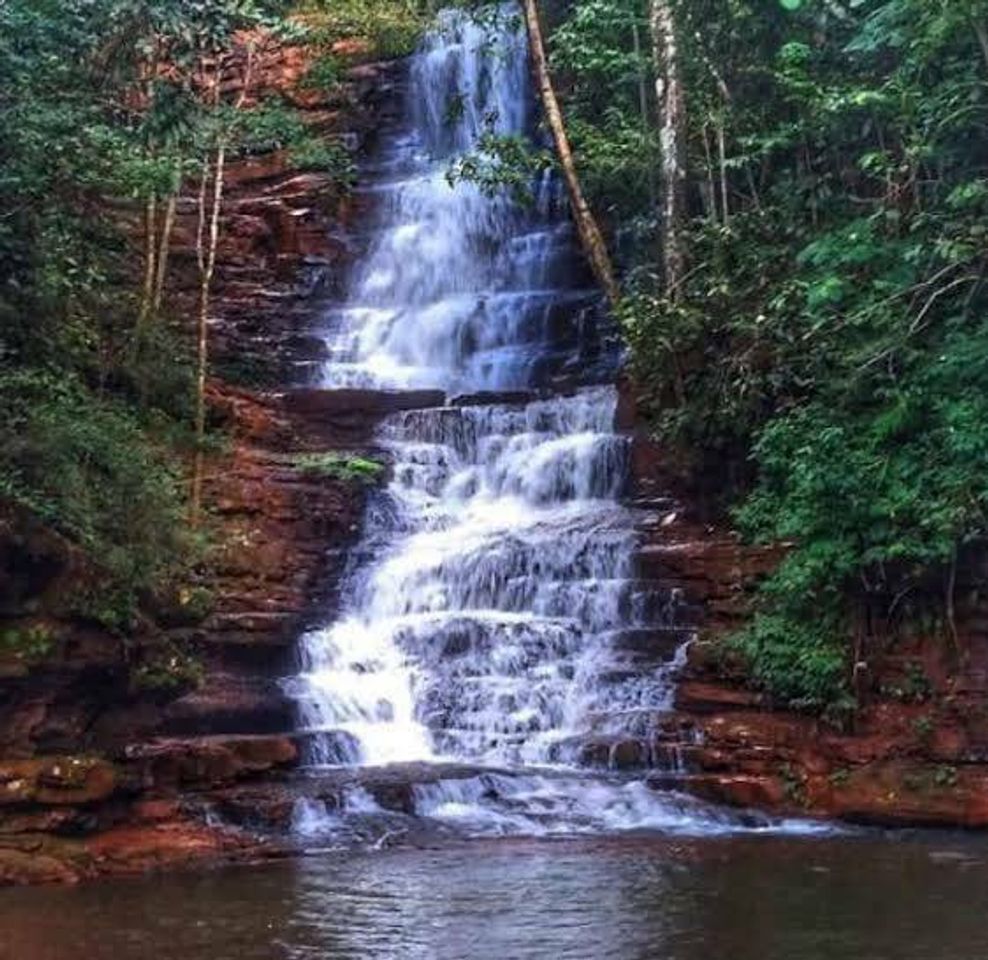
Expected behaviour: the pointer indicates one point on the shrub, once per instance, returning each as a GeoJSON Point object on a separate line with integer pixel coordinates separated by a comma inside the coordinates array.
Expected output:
{"type": "Point", "coordinates": [88, 466]}
{"type": "Point", "coordinates": [340, 467]}
{"type": "Point", "coordinates": [27, 643]}
{"type": "Point", "coordinates": [169, 671]}
{"type": "Point", "coordinates": [392, 28]}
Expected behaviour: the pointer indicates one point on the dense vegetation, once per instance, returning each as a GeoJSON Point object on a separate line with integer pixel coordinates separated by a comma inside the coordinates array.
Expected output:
{"type": "Point", "coordinates": [824, 344]}
{"type": "Point", "coordinates": [109, 111]}
{"type": "Point", "coordinates": [805, 309]}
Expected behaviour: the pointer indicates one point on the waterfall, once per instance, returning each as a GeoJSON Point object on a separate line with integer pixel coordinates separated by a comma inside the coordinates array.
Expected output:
{"type": "Point", "coordinates": [488, 621]}
{"type": "Point", "coordinates": [459, 290]}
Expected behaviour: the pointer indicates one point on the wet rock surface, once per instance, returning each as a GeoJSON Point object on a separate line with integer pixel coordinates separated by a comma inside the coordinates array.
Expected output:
{"type": "Point", "coordinates": [915, 752]}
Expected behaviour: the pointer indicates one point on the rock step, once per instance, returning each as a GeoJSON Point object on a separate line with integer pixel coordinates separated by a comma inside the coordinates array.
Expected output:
{"type": "Point", "coordinates": [656, 508]}
{"type": "Point", "coordinates": [272, 805]}
{"type": "Point", "coordinates": [653, 752]}
{"type": "Point", "coordinates": [231, 704]}
{"type": "Point", "coordinates": [696, 696]}
{"type": "Point", "coordinates": [315, 401]}
{"type": "Point", "coordinates": [206, 762]}
{"type": "Point", "coordinates": [651, 643]}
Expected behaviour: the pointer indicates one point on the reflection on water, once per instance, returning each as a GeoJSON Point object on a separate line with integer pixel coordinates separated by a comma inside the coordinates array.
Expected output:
{"type": "Point", "coordinates": [637, 898]}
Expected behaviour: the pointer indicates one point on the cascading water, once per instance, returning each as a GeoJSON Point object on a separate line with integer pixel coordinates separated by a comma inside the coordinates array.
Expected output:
{"type": "Point", "coordinates": [460, 290]}
{"type": "Point", "coordinates": [489, 622]}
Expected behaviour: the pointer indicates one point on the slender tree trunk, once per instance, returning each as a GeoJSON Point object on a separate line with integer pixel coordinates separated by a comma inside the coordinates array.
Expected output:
{"type": "Point", "coordinates": [149, 70]}
{"type": "Point", "coordinates": [591, 239]}
{"type": "Point", "coordinates": [202, 342]}
{"type": "Point", "coordinates": [643, 109]}
{"type": "Point", "coordinates": [981, 32]}
{"type": "Point", "coordinates": [207, 268]}
{"type": "Point", "coordinates": [721, 127]}
{"type": "Point", "coordinates": [672, 136]}
{"type": "Point", "coordinates": [709, 191]}
{"type": "Point", "coordinates": [150, 266]}
{"type": "Point", "coordinates": [150, 251]}
{"type": "Point", "coordinates": [202, 326]}
{"type": "Point", "coordinates": [164, 246]}
{"type": "Point", "coordinates": [722, 157]}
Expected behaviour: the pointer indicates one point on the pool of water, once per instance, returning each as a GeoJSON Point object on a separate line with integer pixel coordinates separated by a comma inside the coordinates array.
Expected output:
{"type": "Point", "coordinates": [868, 897]}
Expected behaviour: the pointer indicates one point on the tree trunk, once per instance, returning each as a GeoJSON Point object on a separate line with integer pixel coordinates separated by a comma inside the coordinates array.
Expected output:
{"type": "Point", "coordinates": [722, 156]}
{"type": "Point", "coordinates": [164, 246]}
{"type": "Point", "coordinates": [208, 257]}
{"type": "Point", "coordinates": [207, 268]}
{"type": "Point", "coordinates": [981, 32]}
{"type": "Point", "coordinates": [644, 110]}
{"type": "Point", "coordinates": [150, 266]}
{"type": "Point", "coordinates": [672, 136]}
{"type": "Point", "coordinates": [591, 239]}
{"type": "Point", "coordinates": [149, 71]}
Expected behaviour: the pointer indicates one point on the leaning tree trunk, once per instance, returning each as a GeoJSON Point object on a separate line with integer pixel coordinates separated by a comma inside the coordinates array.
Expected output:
{"type": "Point", "coordinates": [672, 136]}
{"type": "Point", "coordinates": [591, 239]}
{"type": "Point", "coordinates": [164, 245]}
{"type": "Point", "coordinates": [981, 32]}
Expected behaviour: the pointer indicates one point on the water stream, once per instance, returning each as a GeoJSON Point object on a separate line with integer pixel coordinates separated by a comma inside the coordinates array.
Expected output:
{"type": "Point", "coordinates": [491, 615]}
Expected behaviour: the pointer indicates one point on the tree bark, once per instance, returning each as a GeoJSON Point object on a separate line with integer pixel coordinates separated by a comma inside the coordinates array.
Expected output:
{"type": "Point", "coordinates": [202, 326]}
{"type": "Point", "coordinates": [643, 108]}
{"type": "Point", "coordinates": [164, 246]}
{"type": "Point", "coordinates": [722, 157]}
{"type": "Point", "coordinates": [672, 137]}
{"type": "Point", "coordinates": [981, 32]}
{"type": "Point", "coordinates": [150, 266]}
{"type": "Point", "coordinates": [207, 268]}
{"type": "Point", "coordinates": [591, 238]}
{"type": "Point", "coordinates": [149, 72]}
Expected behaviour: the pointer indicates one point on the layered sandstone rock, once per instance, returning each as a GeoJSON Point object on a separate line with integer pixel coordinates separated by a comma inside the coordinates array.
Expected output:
{"type": "Point", "coordinates": [915, 752]}
{"type": "Point", "coordinates": [98, 773]}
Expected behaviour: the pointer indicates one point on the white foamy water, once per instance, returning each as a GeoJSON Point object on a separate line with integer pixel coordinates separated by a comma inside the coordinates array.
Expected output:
{"type": "Point", "coordinates": [501, 579]}
{"type": "Point", "coordinates": [488, 619]}
{"type": "Point", "coordinates": [458, 290]}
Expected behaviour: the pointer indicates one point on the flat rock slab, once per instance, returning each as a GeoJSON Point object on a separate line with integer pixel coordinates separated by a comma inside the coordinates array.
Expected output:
{"type": "Point", "coordinates": [316, 402]}
{"type": "Point", "coordinates": [56, 781]}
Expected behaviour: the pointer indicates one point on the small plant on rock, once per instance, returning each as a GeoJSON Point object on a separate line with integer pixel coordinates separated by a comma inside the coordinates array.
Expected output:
{"type": "Point", "coordinates": [168, 672]}
{"type": "Point", "coordinates": [360, 470]}
{"type": "Point", "coordinates": [27, 644]}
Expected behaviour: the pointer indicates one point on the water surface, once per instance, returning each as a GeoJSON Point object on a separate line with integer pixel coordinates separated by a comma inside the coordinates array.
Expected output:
{"type": "Point", "coordinates": [632, 898]}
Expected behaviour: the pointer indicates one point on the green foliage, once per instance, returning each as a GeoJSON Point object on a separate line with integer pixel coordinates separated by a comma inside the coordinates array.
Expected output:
{"type": "Point", "coordinates": [800, 663]}
{"type": "Point", "coordinates": [945, 776]}
{"type": "Point", "coordinates": [89, 467]}
{"type": "Point", "coordinates": [840, 777]}
{"type": "Point", "coordinates": [501, 163]}
{"type": "Point", "coordinates": [168, 671]}
{"type": "Point", "coordinates": [391, 28]}
{"type": "Point", "coordinates": [184, 605]}
{"type": "Point", "coordinates": [358, 470]}
{"type": "Point", "coordinates": [93, 397]}
{"type": "Point", "coordinates": [923, 727]}
{"type": "Point", "coordinates": [914, 687]}
{"type": "Point", "coordinates": [273, 126]}
{"type": "Point", "coordinates": [827, 348]}
{"type": "Point", "coordinates": [27, 644]}
{"type": "Point", "coordinates": [792, 785]}
{"type": "Point", "coordinates": [325, 74]}
{"type": "Point", "coordinates": [616, 146]}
